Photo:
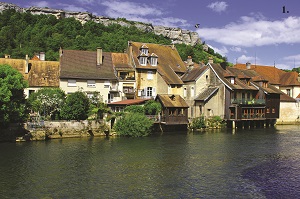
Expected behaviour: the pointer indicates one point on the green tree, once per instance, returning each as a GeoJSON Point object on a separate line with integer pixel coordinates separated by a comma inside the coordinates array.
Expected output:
{"type": "Point", "coordinates": [133, 125]}
{"type": "Point", "coordinates": [97, 107]}
{"type": "Point", "coordinates": [76, 107]}
{"type": "Point", "coordinates": [47, 101]}
{"type": "Point", "coordinates": [152, 107]}
{"type": "Point", "coordinates": [12, 98]}
{"type": "Point", "coordinates": [135, 109]}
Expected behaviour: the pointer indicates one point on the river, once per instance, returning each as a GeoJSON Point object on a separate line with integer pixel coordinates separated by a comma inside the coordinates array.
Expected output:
{"type": "Point", "coordinates": [255, 163]}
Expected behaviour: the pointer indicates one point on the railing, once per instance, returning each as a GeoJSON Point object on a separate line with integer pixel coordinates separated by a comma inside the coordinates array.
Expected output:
{"type": "Point", "coordinates": [248, 101]}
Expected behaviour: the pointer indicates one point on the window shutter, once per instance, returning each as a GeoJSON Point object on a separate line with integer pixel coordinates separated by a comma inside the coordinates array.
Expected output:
{"type": "Point", "coordinates": [153, 92]}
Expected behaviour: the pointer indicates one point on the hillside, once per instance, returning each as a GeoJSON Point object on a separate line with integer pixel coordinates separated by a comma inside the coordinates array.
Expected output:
{"type": "Point", "coordinates": [27, 31]}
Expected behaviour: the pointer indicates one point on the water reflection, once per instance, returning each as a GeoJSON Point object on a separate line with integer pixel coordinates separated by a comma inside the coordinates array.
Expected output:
{"type": "Point", "coordinates": [213, 164]}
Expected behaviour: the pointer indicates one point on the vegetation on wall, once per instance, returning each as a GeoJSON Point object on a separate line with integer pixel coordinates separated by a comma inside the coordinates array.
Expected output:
{"type": "Point", "coordinates": [24, 33]}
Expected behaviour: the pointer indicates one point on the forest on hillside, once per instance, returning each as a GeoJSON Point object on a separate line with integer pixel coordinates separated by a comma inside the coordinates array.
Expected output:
{"type": "Point", "coordinates": [24, 33]}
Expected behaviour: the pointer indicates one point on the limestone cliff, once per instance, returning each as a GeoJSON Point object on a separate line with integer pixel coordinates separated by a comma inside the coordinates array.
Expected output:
{"type": "Point", "coordinates": [176, 34]}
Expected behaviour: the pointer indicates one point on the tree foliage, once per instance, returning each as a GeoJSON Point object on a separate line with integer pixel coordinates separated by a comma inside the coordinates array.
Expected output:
{"type": "Point", "coordinates": [133, 125]}
{"type": "Point", "coordinates": [24, 33]}
{"type": "Point", "coordinates": [135, 109]}
{"type": "Point", "coordinates": [12, 98]}
{"type": "Point", "coordinates": [76, 107]}
{"type": "Point", "coordinates": [152, 107]}
{"type": "Point", "coordinates": [47, 102]}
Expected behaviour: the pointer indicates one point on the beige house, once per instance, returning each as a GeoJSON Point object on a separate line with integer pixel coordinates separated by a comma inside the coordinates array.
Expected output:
{"type": "Point", "coordinates": [90, 72]}
{"type": "Point", "coordinates": [38, 72]}
{"type": "Point", "coordinates": [158, 69]}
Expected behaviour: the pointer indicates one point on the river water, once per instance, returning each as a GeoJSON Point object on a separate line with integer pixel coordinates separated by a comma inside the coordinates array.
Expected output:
{"type": "Point", "coordinates": [256, 163]}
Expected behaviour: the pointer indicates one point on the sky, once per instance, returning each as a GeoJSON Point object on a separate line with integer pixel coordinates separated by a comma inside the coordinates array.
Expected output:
{"type": "Point", "coordinates": [262, 32]}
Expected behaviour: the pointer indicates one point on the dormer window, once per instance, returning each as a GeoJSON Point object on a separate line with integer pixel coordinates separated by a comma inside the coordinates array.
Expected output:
{"type": "Point", "coordinates": [153, 59]}
{"type": "Point", "coordinates": [144, 50]}
{"type": "Point", "coordinates": [232, 81]}
{"type": "Point", "coordinates": [143, 60]}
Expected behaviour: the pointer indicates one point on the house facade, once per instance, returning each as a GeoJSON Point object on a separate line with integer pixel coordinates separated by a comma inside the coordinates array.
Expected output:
{"type": "Point", "coordinates": [288, 83]}
{"type": "Point", "coordinates": [89, 71]}
{"type": "Point", "coordinates": [158, 69]}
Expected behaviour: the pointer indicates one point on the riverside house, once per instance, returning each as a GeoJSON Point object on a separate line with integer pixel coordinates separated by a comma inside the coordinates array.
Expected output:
{"type": "Point", "coordinates": [38, 72]}
{"type": "Point", "coordinates": [288, 83]}
{"type": "Point", "coordinates": [89, 71]}
{"type": "Point", "coordinates": [240, 98]}
{"type": "Point", "coordinates": [158, 69]}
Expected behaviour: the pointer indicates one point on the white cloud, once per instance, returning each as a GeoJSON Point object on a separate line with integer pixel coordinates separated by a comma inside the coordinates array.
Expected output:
{"type": "Point", "coordinates": [218, 6]}
{"type": "Point", "coordinates": [129, 9]}
{"type": "Point", "coordinates": [237, 49]}
{"type": "Point", "coordinates": [70, 7]}
{"type": "Point", "coordinates": [253, 31]}
{"type": "Point", "coordinates": [245, 59]}
{"type": "Point", "coordinates": [292, 58]}
{"type": "Point", "coordinates": [142, 13]}
{"type": "Point", "coordinates": [41, 4]}
{"type": "Point", "coordinates": [85, 1]}
{"type": "Point", "coordinates": [222, 51]}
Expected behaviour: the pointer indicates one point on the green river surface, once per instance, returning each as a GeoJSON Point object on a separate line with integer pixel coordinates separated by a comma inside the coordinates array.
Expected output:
{"type": "Point", "coordinates": [252, 163]}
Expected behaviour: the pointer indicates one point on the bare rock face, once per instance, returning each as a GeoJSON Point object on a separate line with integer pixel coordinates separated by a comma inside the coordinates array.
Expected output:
{"type": "Point", "coordinates": [178, 35]}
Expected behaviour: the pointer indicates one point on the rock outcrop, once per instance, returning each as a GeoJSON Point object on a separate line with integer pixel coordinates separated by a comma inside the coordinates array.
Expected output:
{"type": "Point", "coordinates": [176, 34]}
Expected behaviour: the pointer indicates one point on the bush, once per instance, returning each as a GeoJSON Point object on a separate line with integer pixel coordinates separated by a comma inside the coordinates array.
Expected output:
{"type": "Point", "coordinates": [198, 123]}
{"type": "Point", "coordinates": [133, 125]}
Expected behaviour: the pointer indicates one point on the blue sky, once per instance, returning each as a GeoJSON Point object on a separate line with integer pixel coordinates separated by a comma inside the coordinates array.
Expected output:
{"type": "Point", "coordinates": [242, 30]}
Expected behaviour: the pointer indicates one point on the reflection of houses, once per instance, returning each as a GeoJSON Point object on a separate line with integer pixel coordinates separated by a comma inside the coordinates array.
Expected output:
{"type": "Point", "coordinates": [174, 109]}
{"type": "Point", "coordinates": [287, 82]}
{"type": "Point", "coordinates": [158, 68]}
{"type": "Point", "coordinates": [89, 71]}
{"type": "Point", "coordinates": [38, 72]}
{"type": "Point", "coordinates": [125, 74]}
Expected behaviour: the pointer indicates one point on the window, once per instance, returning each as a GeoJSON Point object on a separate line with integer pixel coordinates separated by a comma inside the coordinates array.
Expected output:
{"type": "Point", "coordinates": [153, 61]}
{"type": "Point", "coordinates": [232, 80]}
{"type": "Point", "coordinates": [192, 92]}
{"type": "Point", "coordinates": [150, 75]}
{"type": "Point", "coordinates": [268, 110]}
{"type": "Point", "coordinates": [273, 110]}
{"type": "Point", "coordinates": [143, 61]}
{"type": "Point", "coordinates": [91, 83]}
{"type": "Point", "coordinates": [288, 92]}
{"type": "Point", "coordinates": [184, 92]}
{"type": "Point", "coordinates": [106, 84]}
{"type": "Point", "coordinates": [72, 82]}
{"type": "Point", "coordinates": [144, 51]}
{"type": "Point", "coordinates": [149, 92]}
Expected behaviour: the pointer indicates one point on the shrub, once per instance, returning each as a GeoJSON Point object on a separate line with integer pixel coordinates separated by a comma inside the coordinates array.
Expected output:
{"type": "Point", "coordinates": [198, 123]}
{"type": "Point", "coordinates": [135, 109]}
{"type": "Point", "coordinates": [133, 125]}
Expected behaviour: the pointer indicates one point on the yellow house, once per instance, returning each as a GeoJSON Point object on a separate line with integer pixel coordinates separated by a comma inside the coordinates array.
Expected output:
{"type": "Point", "coordinates": [158, 69]}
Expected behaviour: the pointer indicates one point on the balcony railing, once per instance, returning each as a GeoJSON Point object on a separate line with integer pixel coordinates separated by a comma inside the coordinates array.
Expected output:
{"type": "Point", "coordinates": [248, 101]}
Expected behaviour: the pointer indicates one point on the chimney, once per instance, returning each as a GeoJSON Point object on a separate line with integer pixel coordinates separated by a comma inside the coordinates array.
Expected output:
{"type": "Point", "coordinates": [60, 52]}
{"type": "Point", "coordinates": [42, 56]}
{"type": "Point", "coordinates": [210, 60]}
{"type": "Point", "coordinates": [99, 56]}
{"type": "Point", "coordinates": [130, 52]}
{"type": "Point", "coordinates": [248, 65]}
{"type": "Point", "coordinates": [26, 64]}
{"type": "Point", "coordinates": [190, 61]}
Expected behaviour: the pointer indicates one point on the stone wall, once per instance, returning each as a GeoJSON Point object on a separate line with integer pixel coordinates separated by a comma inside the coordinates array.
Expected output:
{"type": "Point", "coordinates": [69, 129]}
{"type": "Point", "coordinates": [176, 34]}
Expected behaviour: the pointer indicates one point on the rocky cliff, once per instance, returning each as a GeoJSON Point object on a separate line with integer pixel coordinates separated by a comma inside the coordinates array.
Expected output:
{"type": "Point", "coordinates": [176, 34]}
